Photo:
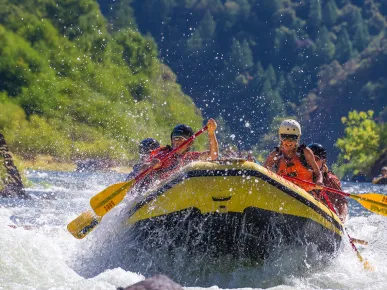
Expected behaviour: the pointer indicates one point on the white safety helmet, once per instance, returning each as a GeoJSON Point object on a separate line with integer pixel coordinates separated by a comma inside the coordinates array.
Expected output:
{"type": "Point", "coordinates": [290, 127]}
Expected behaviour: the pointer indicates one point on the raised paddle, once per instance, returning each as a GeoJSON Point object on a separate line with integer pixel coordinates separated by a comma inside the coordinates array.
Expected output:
{"type": "Point", "coordinates": [374, 202]}
{"type": "Point", "coordinates": [107, 199]}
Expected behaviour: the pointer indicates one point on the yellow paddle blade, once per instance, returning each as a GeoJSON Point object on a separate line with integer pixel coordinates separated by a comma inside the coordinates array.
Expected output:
{"type": "Point", "coordinates": [374, 202]}
{"type": "Point", "coordinates": [367, 266]}
{"type": "Point", "coordinates": [107, 199]}
{"type": "Point", "coordinates": [83, 224]}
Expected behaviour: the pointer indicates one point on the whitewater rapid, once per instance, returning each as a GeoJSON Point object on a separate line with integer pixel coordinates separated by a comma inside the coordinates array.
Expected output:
{"type": "Point", "coordinates": [40, 254]}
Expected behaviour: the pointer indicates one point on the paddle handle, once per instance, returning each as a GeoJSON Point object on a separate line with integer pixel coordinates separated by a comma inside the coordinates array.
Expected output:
{"type": "Point", "coordinates": [323, 187]}
{"type": "Point", "coordinates": [145, 172]}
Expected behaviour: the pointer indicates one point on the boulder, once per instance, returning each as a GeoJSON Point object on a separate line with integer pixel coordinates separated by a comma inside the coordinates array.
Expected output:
{"type": "Point", "coordinates": [158, 282]}
{"type": "Point", "coordinates": [12, 181]}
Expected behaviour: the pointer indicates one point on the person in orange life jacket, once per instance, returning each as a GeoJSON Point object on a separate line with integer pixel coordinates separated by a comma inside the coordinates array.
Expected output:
{"type": "Point", "coordinates": [339, 202]}
{"type": "Point", "coordinates": [292, 159]}
{"type": "Point", "coordinates": [183, 156]}
{"type": "Point", "coordinates": [145, 149]}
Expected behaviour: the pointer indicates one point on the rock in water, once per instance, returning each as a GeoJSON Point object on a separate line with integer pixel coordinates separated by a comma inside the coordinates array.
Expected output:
{"type": "Point", "coordinates": [13, 185]}
{"type": "Point", "coordinates": [158, 282]}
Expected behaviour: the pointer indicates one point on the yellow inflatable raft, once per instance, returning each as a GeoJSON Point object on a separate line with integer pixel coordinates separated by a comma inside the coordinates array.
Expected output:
{"type": "Point", "coordinates": [233, 206]}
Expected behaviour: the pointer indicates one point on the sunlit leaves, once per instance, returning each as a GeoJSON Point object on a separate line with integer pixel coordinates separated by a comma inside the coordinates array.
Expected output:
{"type": "Point", "coordinates": [72, 90]}
{"type": "Point", "coordinates": [361, 143]}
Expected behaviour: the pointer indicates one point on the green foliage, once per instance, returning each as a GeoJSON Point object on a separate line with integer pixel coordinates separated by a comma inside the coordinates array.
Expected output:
{"type": "Point", "coordinates": [241, 58]}
{"type": "Point", "coordinates": [361, 37]}
{"type": "Point", "coordinates": [330, 13]}
{"type": "Point", "coordinates": [315, 14]}
{"type": "Point", "coordinates": [71, 89]}
{"type": "Point", "coordinates": [221, 51]}
{"type": "Point", "coordinates": [361, 143]}
{"type": "Point", "coordinates": [343, 46]}
{"type": "Point", "coordinates": [203, 35]}
{"type": "Point", "coordinates": [325, 49]}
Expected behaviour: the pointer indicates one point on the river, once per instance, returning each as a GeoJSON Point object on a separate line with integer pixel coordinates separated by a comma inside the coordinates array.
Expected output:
{"type": "Point", "coordinates": [39, 253]}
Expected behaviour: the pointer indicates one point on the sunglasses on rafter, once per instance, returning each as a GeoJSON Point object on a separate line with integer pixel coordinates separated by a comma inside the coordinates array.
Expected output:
{"type": "Point", "coordinates": [178, 138]}
{"type": "Point", "coordinates": [289, 137]}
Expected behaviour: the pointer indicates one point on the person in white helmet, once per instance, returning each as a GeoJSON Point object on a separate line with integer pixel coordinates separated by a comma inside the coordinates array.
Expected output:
{"type": "Point", "coordinates": [294, 160]}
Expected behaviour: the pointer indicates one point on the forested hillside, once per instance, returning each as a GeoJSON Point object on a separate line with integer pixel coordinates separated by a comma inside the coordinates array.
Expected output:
{"type": "Point", "coordinates": [72, 88]}
{"type": "Point", "coordinates": [254, 61]}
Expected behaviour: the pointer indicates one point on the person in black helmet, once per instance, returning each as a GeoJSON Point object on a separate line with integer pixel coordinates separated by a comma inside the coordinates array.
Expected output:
{"type": "Point", "coordinates": [183, 156]}
{"type": "Point", "coordinates": [145, 149]}
{"type": "Point", "coordinates": [330, 180]}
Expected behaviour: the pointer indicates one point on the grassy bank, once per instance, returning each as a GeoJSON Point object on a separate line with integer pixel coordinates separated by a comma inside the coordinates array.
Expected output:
{"type": "Point", "coordinates": [49, 163]}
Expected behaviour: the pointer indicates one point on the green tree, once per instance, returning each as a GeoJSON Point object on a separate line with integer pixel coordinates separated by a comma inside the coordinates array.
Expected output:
{"type": "Point", "coordinates": [195, 42]}
{"type": "Point", "coordinates": [343, 46]}
{"type": "Point", "coordinates": [361, 37]}
{"type": "Point", "coordinates": [360, 144]}
{"type": "Point", "coordinates": [119, 14]}
{"type": "Point", "coordinates": [271, 75]}
{"type": "Point", "coordinates": [325, 49]}
{"type": "Point", "coordinates": [266, 8]}
{"type": "Point", "coordinates": [330, 13]}
{"type": "Point", "coordinates": [203, 34]}
{"type": "Point", "coordinates": [207, 27]}
{"type": "Point", "coordinates": [241, 57]}
{"type": "Point", "coordinates": [315, 14]}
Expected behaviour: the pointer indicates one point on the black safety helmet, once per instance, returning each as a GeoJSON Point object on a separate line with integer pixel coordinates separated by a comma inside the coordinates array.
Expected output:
{"type": "Point", "coordinates": [148, 145]}
{"type": "Point", "coordinates": [182, 130]}
{"type": "Point", "coordinates": [318, 150]}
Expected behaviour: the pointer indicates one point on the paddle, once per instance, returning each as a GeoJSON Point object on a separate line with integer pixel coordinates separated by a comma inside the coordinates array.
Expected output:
{"type": "Point", "coordinates": [83, 224]}
{"type": "Point", "coordinates": [374, 202]}
{"type": "Point", "coordinates": [365, 263]}
{"type": "Point", "coordinates": [107, 199]}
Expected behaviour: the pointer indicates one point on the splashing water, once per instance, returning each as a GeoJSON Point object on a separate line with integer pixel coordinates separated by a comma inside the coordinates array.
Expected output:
{"type": "Point", "coordinates": [40, 254]}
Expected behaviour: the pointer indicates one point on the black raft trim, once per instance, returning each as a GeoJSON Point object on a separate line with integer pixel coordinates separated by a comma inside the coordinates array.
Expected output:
{"type": "Point", "coordinates": [234, 172]}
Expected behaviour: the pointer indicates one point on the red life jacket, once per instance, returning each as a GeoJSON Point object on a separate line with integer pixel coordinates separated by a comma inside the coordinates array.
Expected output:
{"type": "Point", "coordinates": [171, 164]}
{"type": "Point", "coordinates": [168, 166]}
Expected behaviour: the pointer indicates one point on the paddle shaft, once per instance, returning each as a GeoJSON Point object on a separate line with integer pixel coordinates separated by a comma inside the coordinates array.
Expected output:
{"type": "Point", "coordinates": [169, 154]}
{"type": "Point", "coordinates": [354, 196]}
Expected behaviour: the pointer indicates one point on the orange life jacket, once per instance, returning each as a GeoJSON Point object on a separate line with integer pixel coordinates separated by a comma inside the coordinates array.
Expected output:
{"type": "Point", "coordinates": [296, 167]}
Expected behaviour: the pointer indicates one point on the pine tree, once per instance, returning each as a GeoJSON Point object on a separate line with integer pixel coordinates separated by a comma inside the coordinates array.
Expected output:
{"type": "Point", "coordinates": [361, 37]}
{"type": "Point", "coordinates": [207, 27]}
{"type": "Point", "coordinates": [271, 75]}
{"type": "Point", "coordinates": [314, 15]}
{"type": "Point", "coordinates": [259, 71]}
{"type": "Point", "coordinates": [330, 13]}
{"type": "Point", "coordinates": [203, 35]}
{"type": "Point", "coordinates": [241, 57]}
{"type": "Point", "coordinates": [276, 104]}
{"type": "Point", "coordinates": [325, 49]}
{"type": "Point", "coordinates": [247, 55]}
{"type": "Point", "coordinates": [194, 43]}
{"type": "Point", "coordinates": [343, 46]}
{"type": "Point", "coordinates": [265, 9]}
